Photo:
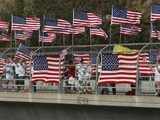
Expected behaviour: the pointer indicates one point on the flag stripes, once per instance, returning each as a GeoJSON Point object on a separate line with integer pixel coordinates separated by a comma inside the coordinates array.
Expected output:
{"type": "Point", "coordinates": [129, 29]}
{"type": "Point", "coordinates": [22, 35]}
{"type": "Point", "coordinates": [47, 68]}
{"type": "Point", "coordinates": [144, 65]}
{"type": "Point", "coordinates": [4, 38]}
{"type": "Point", "coordinates": [32, 23]}
{"type": "Point", "coordinates": [47, 37]}
{"type": "Point", "coordinates": [93, 20]}
{"type": "Point", "coordinates": [118, 68]}
{"type": "Point", "coordinates": [98, 32]}
{"type": "Point", "coordinates": [124, 16]}
{"type": "Point", "coordinates": [122, 68]}
{"type": "Point", "coordinates": [23, 52]}
{"type": "Point", "coordinates": [81, 56]}
{"type": "Point", "coordinates": [86, 19]}
{"type": "Point", "coordinates": [4, 25]}
{"type": "Point", "coordinates": [58, 26]}
{"type": "Point", "coordinates": [155, 31]}
{"type": "Point", "coordinates": [2, 63]}
{"type": "Point", "coordinates": [18, 23]}
{"type": "Point", "coordinates": [155, 12]}
{"type": "Point", "coordinates": [77, 30]}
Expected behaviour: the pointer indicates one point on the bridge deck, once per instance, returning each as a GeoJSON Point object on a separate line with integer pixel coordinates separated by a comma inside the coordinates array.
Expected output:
{"type": "Point", "coordinates": [100, 100]}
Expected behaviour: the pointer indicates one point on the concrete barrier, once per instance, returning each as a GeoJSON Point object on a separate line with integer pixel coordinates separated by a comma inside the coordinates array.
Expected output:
{"type": "Point", "coordinates": [77, 99]}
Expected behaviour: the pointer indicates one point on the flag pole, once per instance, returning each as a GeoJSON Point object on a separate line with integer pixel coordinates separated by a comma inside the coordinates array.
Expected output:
{"type": "Point", "coordinates": [110, 28]}
{"type": "Point", "coordinates": [63, 37]}
{"type": "Point", "coordinates": [90, 39]}
{"type": "Point", "coordinates": [39, 35]}
{"type": "Point", "coordinates": [14, 35]}
{"type": "Point", "coordinates": [11, 38]}
{"type": "Point", "coordinates": [120, 35]}
{"type": "Point", "coordinates": [26, 40]}
{"type": "Point", "coordinates": [42, 40]}
{"type": "Point", "coordinates": [72, 31]}
{"type": "Point", "coordinates": [151, 27]}
{"type": "Point", "coordinates": [15, 42]}
{"type": "Point", "coordinates": [26, 32]}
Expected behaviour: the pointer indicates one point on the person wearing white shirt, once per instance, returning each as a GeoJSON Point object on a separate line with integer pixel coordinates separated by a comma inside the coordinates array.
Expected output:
{"type": "Point", "coordinates": [20, 74]}
{"type": "Point", "coordinates": [16, 65]}
{"type": "Point", "coordinates": [83, 72]}
{"type": "Point", "coordinates": [21, 71]}
{"type": "Point", "coordinates": [9, 73]}
{"type": "Point", "coordinates": [9, 70]}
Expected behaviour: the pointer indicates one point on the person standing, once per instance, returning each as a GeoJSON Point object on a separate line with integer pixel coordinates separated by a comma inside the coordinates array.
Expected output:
{"type": "Point", "coordinates": [20, 74]}
{"type": "Point", "coordinates": [9, 73]}
{"type": "Point", "coordinates": [83, 72]}
{"type": "Point", "coordinates": [16, 65]}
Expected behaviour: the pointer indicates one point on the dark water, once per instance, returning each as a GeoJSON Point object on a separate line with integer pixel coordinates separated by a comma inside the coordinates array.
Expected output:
{"type": "Point", "coordinates": [36, 111]}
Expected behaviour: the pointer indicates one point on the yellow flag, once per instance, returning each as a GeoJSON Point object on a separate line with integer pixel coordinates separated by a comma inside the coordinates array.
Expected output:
{"type": "Point", "coordinates": [122, 49]}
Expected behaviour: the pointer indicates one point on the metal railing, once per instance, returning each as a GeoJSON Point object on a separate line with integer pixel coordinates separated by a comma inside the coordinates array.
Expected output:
{"type": "Point", "coordinates": [141, 88]}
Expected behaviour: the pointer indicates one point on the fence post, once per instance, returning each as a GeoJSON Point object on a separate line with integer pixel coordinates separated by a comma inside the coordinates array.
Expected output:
{"type": "Point", "coordinates": [137, 73]}
{"type": "Point", "coordinates": [32, 88]}
{"type": "Point", "coordinates": [97, 60]}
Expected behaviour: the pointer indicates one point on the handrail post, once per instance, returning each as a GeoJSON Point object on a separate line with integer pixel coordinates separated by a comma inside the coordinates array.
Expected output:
{"type": "Point", "coordinates": [30, 81]}
{"type": "Point", "coordinates": [61, 87]}
{"type": "Point", "coordinates": [137, 71]}
{"type": "Point", "coordinates": [97, 60]}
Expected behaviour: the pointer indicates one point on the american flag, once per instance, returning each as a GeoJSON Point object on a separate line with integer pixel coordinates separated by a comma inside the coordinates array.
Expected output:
{"type": "Point", "coordinates": [49, 24]}
{"type": "Point", "coordinates": [32, 23]}
{"type": "Point", "coordinates": [77, 30]}
{"type": "Point", "coordinates": [155, 30]}
{"type": "Point", "coordinates": [155, 34]}
{"type": "Point", "coordinates": [4, 25]}
{"type": "Point", "coordinates": [82, 18]}
{"type": "Point", "coordinates": [145, 67]}
{"type": "Point", "coordinates": [48, 68]}
{"type": "Point", "coordinates": [18, 23]}
{"type": "Point", "coordinates": [94, 64]}
{"type": "Point", "coordinates": [120, 16]}
{"type": "Point", "coordinates": [4, 37]}
{"type": "Point", "coordinates": [25, 24]}
{"type": "Point", "coordinates": [2, 63]}
{"type": "Point", "coordinates": [58, 26]}
{"type": "Point", "coordinates": [122, 68]}
{"type": "Point", "coordinates": [93, 20]}
{"type": "Point", "coordinates": [155, 12]}
{"type": "Point", "coordinates": [118, 68]}
{"type": "Point", "coordinates": [78, 57]}
{"type": "Point", "coordinates": [22, 35]}
{"type": "Point", "coordinates": [98, 32]}
{"type": "Point", "coordinates": [47, 37]}
{"type": "Point", "coordinates": [64, 27]}
{"type": "Point", "coordinates": [153, 53]}
{"type": "Point", "coordinates": [23, 52]}
{"type": "Point", "coordinates": [129, 29]}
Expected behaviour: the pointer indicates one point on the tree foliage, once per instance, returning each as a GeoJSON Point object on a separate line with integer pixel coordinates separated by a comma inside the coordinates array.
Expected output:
{"type": "Point", "coordinates": [63, 9]}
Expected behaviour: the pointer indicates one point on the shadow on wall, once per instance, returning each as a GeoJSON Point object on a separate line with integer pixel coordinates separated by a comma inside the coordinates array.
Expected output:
{"type": "Point", "coordinates": [37, 111]}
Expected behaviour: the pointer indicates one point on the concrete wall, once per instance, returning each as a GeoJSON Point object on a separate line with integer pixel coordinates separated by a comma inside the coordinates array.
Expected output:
{"type": "Point", "coordinates": [44, 111]}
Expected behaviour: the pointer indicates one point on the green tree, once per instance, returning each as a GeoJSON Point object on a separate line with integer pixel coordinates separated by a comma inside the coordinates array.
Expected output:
{"type": "Point", "coordinates": [19, 7]}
